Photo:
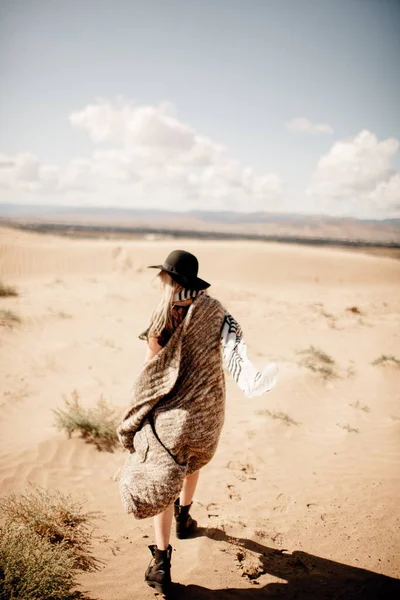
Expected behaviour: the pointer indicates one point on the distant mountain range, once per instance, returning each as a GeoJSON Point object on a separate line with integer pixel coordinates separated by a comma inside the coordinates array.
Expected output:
{"type": "Point", "coordinates": [222, 224]}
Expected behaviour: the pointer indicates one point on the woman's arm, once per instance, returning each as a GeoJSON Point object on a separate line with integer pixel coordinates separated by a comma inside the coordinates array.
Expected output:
{"type": "Point", "coordinates": [152, 348]}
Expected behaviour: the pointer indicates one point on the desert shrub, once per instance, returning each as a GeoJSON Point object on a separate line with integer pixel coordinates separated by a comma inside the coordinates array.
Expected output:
{"type": "Point", "coordinates": [8, 318]}
{"type": "Point", "coordinates": [319, 362]}
{"type": "Point", "coordinates": [96, 425]}
{"type": "Point", "coordinates": [7, 290]}
{"type": "Point", "coordinates": [31, 568]}
{"type": "Point", "coordinates": [279, 416]}
{"type": "Point", "coordinates": [360, 406]}
{"type": "Point", "coordinates": [348, 428]}
{"type": "Point", "coordinates": [64, 315]}
{"type": "Point", "coordinates": [385, 359]}
{"type": "Point", "coordinates": [354, 309]}
{"type": "Point", "coordinates": [57, 519]}
{"type": "Point", "coordinates": [45, 541]}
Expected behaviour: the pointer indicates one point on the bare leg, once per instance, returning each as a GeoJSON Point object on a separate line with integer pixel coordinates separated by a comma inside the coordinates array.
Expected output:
{"type": "Point", "coordinates": [162, 527]}
{"type": "Point", "coordinates": [163, 521]}
{"type": "Point", "coordinates": [188, 488]}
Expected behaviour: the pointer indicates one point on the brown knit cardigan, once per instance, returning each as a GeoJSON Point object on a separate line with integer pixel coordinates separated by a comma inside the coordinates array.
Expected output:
{"type": "Point", "coordinates": [174, 423]}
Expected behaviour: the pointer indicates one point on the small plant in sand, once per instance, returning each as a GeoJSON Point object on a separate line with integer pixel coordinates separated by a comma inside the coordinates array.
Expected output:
{"type": "Point", "coordinates": [45, 541]}
{"type": "Point", "coordinates": [96, 425]}
{"type": "Point", "coordinates": [8, 318]}
{"type": "Point", "coordinates": [319, 362]}
{"type": "Point", "coordinates": [354, 309]}
{"type": "Point", "coordinates": [279, 416]}
{"type": "Point", "coordinates": [358, 406]}
{"type": "Point", "coordinates": [387, 360]}
{"type": "Point", "coordinates": [64, 315]}
{"type": "Point", "coordinates": [348, 428]}
{"type": "Point", "coordinates": [7, 290]}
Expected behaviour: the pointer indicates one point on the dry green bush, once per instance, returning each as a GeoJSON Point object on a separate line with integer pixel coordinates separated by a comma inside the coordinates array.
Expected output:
{"type": "Point", "coordinates": [385, 359]}
{"type": "Point", "coordinates": [7, 290]}
{"type": "Point", "coordinates": [279, 416]}
{"type": "Point", "coordinates": [319, 362]}
{"type": "Point", "coordinates": [96, 425]}
{"type": "Point", "coordinates": [58, 519]}
{"type": "Point", "coordinates": [8, 318]}
{"type": "Point", "coordinates": [31, 568]}
{"type": "Point", "coordinates": [348, 428]}
{"type": "Point", "coordinates": [45, 541]}
{"type": "Point", "coordinates": [354, 309]}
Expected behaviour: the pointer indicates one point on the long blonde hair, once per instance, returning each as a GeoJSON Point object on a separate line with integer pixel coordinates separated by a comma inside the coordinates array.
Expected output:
{"type": "Point", "coordinates": [162, 316]}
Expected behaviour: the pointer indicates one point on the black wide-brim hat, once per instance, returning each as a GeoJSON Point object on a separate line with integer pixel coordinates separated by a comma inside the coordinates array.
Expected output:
{"type": "Point", "coordinates": [183, 268]}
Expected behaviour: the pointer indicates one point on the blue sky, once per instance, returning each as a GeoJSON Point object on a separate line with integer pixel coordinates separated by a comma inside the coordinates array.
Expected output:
{"type": "Point", "coordinates": [275, 105]}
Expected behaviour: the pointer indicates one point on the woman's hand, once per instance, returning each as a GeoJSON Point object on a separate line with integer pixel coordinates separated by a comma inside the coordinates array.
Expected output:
{"type": "Point", "coordinates": [153, 347]}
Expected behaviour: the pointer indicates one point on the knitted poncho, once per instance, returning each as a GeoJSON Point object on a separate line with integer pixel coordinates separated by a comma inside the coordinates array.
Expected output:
{"type": "Point", "coordinates": [178, 405]}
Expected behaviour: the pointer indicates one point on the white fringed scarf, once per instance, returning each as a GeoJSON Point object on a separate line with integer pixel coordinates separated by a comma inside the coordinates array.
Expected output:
{"type": "Point", "coordinates": [234, 350]}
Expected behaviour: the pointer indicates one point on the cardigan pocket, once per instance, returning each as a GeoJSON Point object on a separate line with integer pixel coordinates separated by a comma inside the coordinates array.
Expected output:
{"type": "Point", "coordinates": [141, 444]}
{"type": "Point", "coordinates": [149, 486]}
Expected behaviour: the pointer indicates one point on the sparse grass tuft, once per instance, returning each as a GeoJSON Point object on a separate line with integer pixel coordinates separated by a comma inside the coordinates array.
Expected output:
{"type": "Point", "coordinates": [45, 541]}
{"type": "Point", "coordinates": [348, 428]}
{"type": "Point", "coordinates": [387, 360]}
{"type": "Point", "coordinates": [8, 318]}
{"type": "Point", "coordinates": [96, 425]}
{"type": "Point", "coordinates": [360, 406]}
{"type": "Point", "coordinates": [279, 416]}
{"type": "Point", "coordinates": [354, 309]}
{"type": "Point", "coordinates": [7, 290]}
{"type": "Point", "coordinates": [319, 362]}
{"type": "Point", "coordinates": [64, 315]}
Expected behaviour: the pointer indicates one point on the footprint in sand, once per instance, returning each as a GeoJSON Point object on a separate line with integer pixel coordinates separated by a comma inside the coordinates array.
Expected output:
{"type": "Point", "coordinates": [283, 503]}
{"type": "Point", "coordinates": [233, 493]}
{"type": "Point", "coordinates": [243, 471]}
{"type": "Point", "coordinates": [277, 539]}
{"type": "Point", "coordinates": [213, 510]}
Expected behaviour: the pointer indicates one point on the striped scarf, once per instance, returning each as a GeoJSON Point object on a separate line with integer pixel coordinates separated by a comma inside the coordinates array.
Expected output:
{"type": "Point", "coordinates": [186, 294]}
{"type": "Point", "coordinates": [234, 350]}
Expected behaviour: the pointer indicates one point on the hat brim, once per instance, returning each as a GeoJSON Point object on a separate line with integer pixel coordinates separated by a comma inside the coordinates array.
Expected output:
{"type": "Point", "coordinates": [192, 284]}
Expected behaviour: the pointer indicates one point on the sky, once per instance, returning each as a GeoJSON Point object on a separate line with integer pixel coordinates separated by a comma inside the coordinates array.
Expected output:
{"type": "Point", "coordinates": [247, 105]}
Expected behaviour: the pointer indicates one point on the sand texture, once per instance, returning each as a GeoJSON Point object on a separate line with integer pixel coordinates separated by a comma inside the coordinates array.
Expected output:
{"type": "Point", "coordinates": [302, 498]}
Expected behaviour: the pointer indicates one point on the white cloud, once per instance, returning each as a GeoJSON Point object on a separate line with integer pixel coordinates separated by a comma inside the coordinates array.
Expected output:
{"type": "Point", "coordinates": [126, 124]}
{"type": "Point", "coordinates": [358, 170]}
{"type": "Point", "coordinates": [144, 156]}
{"type": "Point", "coordinates": [166, 161]}
{"type": "Point", "coordinates": [387, 194]}
{"type": "Point", "coordinates": [21, 170]}
{"type": "Point", "coordinates": [303, 125]}
{"type": "Point", "coordinates": [24, 172]}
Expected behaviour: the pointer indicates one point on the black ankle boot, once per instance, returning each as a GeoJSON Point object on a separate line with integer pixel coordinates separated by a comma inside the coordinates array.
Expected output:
{"type": "Point", "coordinates": [158, 573]}
{"type": "Point", "coordinates": [185, 525]}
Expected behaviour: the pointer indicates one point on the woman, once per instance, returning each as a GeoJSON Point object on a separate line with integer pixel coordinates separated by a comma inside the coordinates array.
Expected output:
{"type": "Point", "coordinates": [173, 427]}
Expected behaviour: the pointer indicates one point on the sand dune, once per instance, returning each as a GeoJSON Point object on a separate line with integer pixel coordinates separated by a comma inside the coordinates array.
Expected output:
{"type": "Point", "coordinates": [311, 468]}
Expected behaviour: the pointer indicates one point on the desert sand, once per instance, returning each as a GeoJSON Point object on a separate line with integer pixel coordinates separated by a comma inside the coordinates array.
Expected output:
{"type": "Point", "coordinates": [302, 497]}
